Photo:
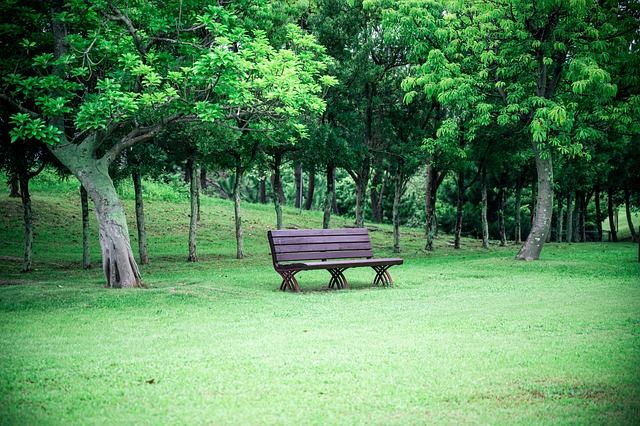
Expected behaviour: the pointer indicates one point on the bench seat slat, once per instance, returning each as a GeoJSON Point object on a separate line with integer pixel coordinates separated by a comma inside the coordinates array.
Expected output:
{"type": "Point", "coordinates": [350, 263]}
{"type": "Point", "coordinates": [277, 241]}
{"type": "Point", "coordinates": [319, 255]}
{"type": "Point", "coordinates": [322, 247]}
{"type": "Point", "coordinates": [318, 232]}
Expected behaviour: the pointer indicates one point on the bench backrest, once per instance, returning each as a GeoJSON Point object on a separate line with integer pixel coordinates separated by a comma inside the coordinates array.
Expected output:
{"type": "Point", "coordinates": [319, 244]}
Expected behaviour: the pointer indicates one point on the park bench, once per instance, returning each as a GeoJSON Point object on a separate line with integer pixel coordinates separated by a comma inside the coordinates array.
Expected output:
{"type": "Point", "coordinates": [335, 250]}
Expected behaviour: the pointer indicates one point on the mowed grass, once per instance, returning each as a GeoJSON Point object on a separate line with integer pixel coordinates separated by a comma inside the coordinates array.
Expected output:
{"type": "Point", "coordinates": [468, 336]}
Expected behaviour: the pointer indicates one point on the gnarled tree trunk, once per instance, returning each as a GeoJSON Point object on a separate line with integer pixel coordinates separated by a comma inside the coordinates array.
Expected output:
{"type": "Point", "coordinates": [532, 247]}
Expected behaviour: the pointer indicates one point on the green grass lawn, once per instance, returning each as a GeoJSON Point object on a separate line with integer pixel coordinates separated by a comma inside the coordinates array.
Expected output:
{"type": "Point", "coordinates": [466, 336]}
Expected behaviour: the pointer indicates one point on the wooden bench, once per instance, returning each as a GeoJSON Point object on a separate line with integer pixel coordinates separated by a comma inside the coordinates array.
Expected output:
{"type": "Point", "coordinates": [335, 250]}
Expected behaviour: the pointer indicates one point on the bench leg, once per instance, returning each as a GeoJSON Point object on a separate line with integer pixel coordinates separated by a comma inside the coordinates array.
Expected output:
{"type": "Point", "coordinates": [337, 278]}
{"type": "Point", "coordinates": [382, 275]}
{"type": "Point", "coordinates": [289, 281]}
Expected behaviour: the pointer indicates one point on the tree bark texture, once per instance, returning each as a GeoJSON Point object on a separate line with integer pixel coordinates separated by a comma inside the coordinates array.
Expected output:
{"type": "Point", "coordinates": [329, 197]}
{"type": "Point", "coordinates": [532, 247]}
{"type": "Point", "coordinates": [612, 219]}
{"type": "Point", "coordinates": [27, 259]}
{"type": "Point", "coordinates": [485, 222]}
{"type": "Point", "coordinates": [193, 220]}
{"type": "Point", "coordinates": [142, 229]}
{"type": "Point", "coordinates": [86, 237]}
{"type": "Point", "coordinates": [238, 215]}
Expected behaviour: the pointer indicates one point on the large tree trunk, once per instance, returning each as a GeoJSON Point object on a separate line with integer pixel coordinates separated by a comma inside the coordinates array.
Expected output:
{"type": "Point", "coordinates": [118, 262]}
{"type": "Point", "coordinates": [397, 196]}
{"type": "Point", "coordinates": [612, 219]}
{"type": "Point", "coordinates": [27, 260]}
{"type": "Point", "coordinates": [142, 230]}
{"type": "Point", "coordinates": [627, 202]}
{"type": "Point", "coordinates": [459, 210]}
{"type": "Point", "coordinates": [277, 189]}
{"type": "Point", "coordinates": [237, 212]}
{"type": "Point", "coordinates": [532, 247]}
{"type": "Point", "coordinates": [484, 221]}
{"type": "Point", "coordinates": [560, 218]}
{"type": "Point", "coordinates": [86, 238]}
{"type": "Point", "coordinates": [311, 188]}
{"type": "Point", "coordinates": [193, 221]}
{"type": "Point", "coordinates": [329, 197]}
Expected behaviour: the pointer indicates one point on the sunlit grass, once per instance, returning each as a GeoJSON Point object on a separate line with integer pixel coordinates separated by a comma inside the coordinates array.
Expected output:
{"type": "Point", "coordinates": [468, 336]}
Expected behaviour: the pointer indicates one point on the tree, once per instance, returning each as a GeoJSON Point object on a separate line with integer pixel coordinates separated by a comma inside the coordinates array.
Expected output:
{"type": "Point", "coordinates": [115, 76]}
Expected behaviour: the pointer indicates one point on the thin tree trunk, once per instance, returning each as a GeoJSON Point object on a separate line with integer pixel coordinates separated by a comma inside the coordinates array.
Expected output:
{"type": "Point", "coordinates": [376, 196]}
{"type": "Point", "coordinates": [299, 184]}
{"type": "Point", "coordinates": [577, 210]}
{"type": "Point", "coordinates": [277, 189]}
{"type": "Point", "coordinates": [86, 238]}
{"type": "Point", "coordinates": [397, 195]}
{"type": "Point", "coordinates": [485, 222]}
{"type": "Point", "coordinates": [503, 202]}
{"type": "Point", "coordinates": [570, 210]}
{"type": "Point", "coordinates": [14, 185]}
{"type": "Point", "coordinates": [193, 222]}
{"type": "Point", "coordinates": [361, 179]}
{"type": "Point", "coordinates": [532, 247]}
{"type": "Point", "coordinates": [262, 189]}
{"type": "Point", "coordinates": [432, 184]}
{"type": "Point", "coordinates": [311, 188]}
{"type": "Point", "coordinates": [612, 221]}
{"type": "Point", "coordinates": [627, 202]}
{"type": "Point", "coordinates": [329, 197]}
{"type": "Point", "coordinates": [203, 178]}
{"type": "Point", "coordinates": [142, 231]}
{"type": "Point", "coordinates": [517, 216]}
{"type": "Point", "coordinates": [459, 210]}
{"type": "Point", "coordinates": [598, 214]}
{"type": "Point", "coordinates": [27, 260]}
{"type": "Point", "coordinates": [238, 216]}
{"type": "Point", "coordinates": [560, 218]}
